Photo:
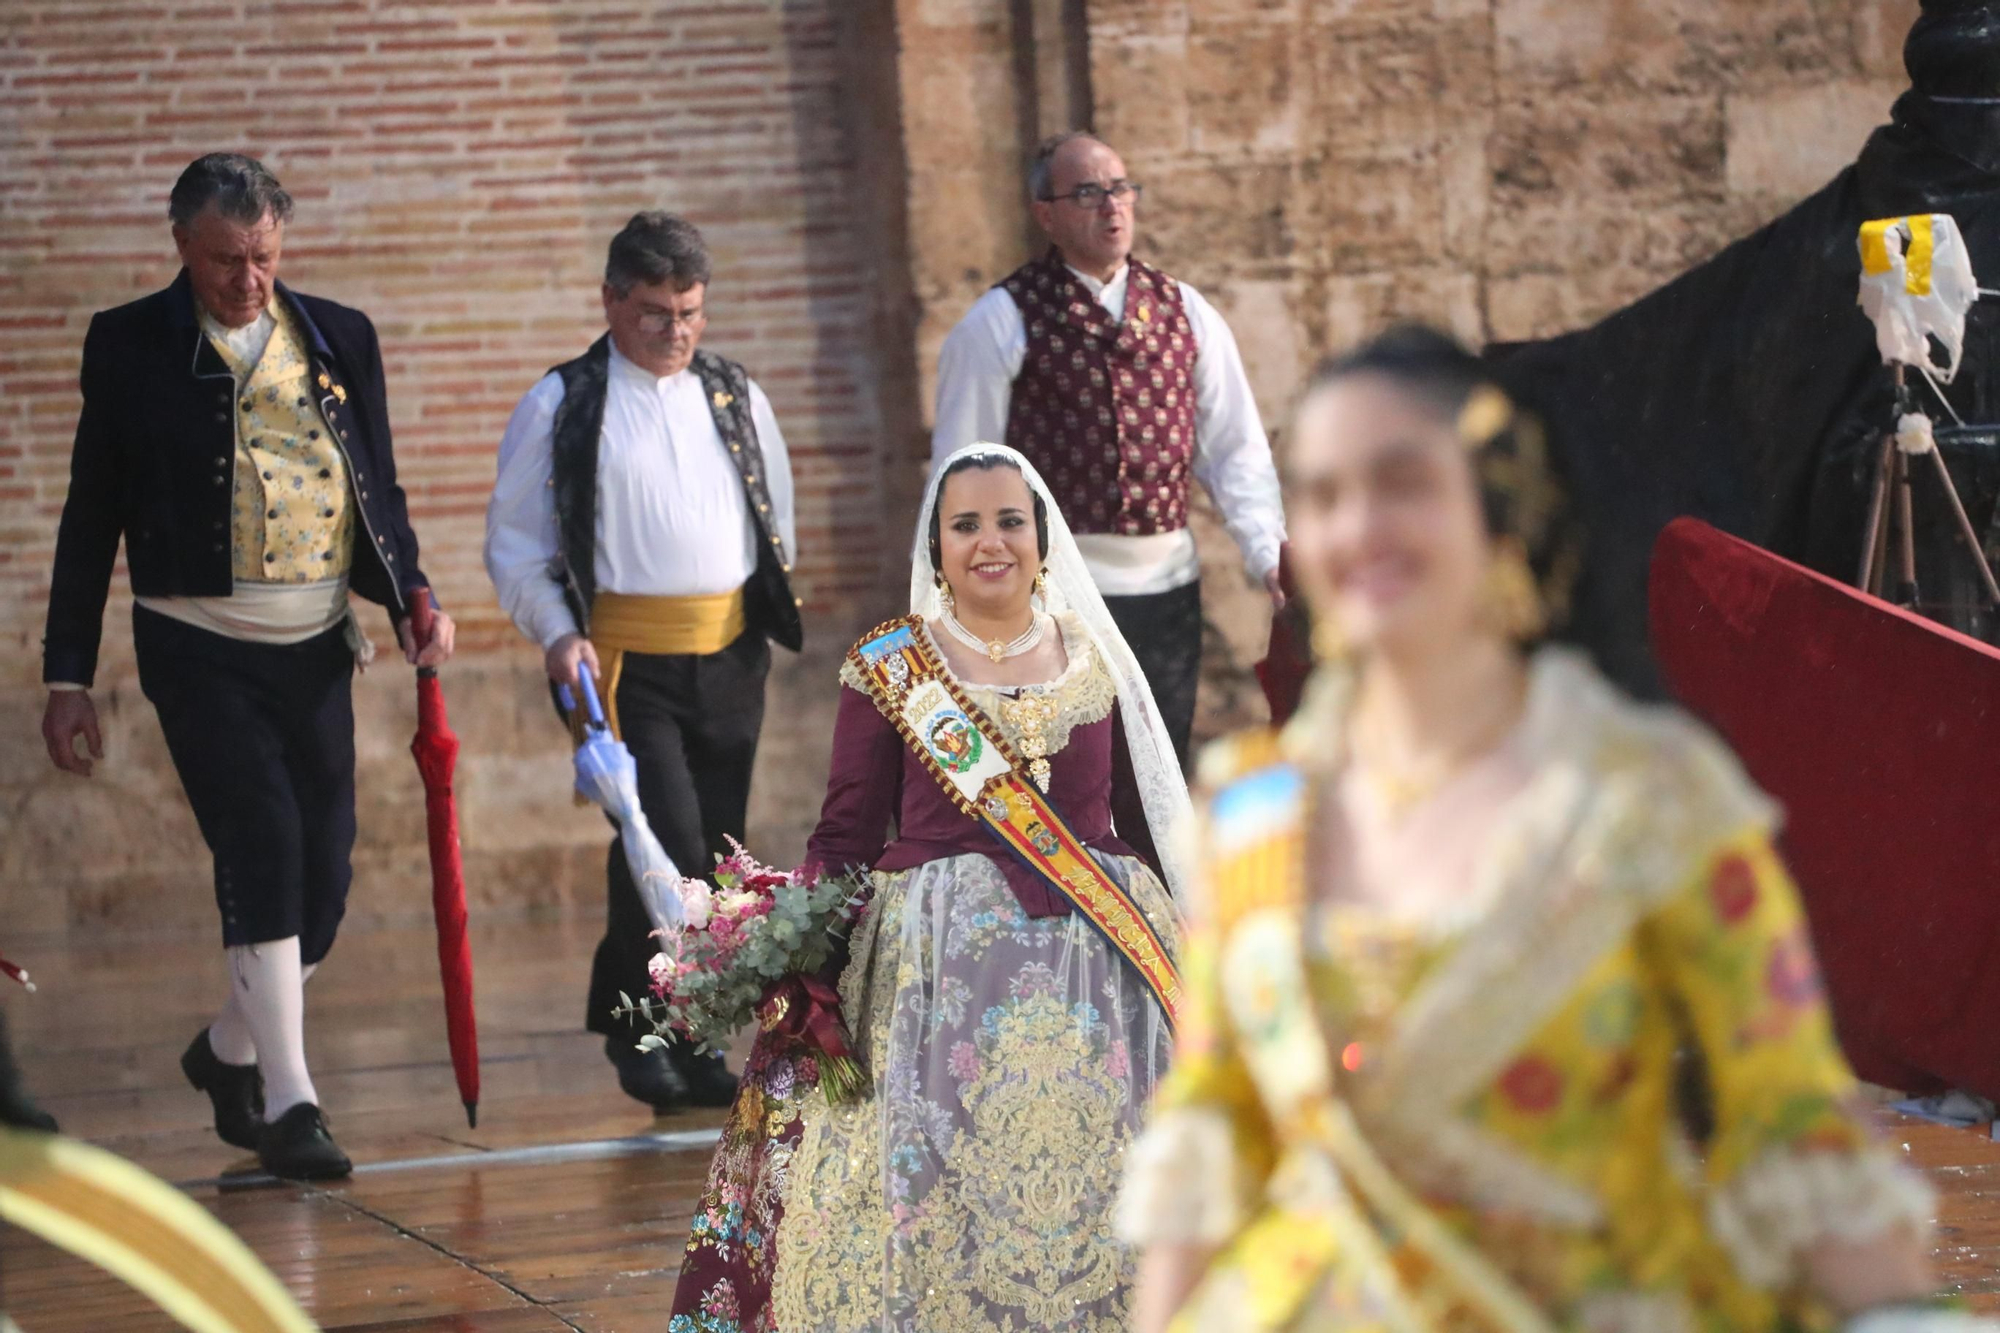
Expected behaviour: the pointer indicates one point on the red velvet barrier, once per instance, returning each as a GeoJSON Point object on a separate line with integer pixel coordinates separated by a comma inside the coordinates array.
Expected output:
{"type": "Point", "coordinates": [1879, 732]}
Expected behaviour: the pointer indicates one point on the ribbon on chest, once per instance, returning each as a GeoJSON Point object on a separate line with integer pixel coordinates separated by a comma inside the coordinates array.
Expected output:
{"type": "Point", "coordinates": [980, 773]}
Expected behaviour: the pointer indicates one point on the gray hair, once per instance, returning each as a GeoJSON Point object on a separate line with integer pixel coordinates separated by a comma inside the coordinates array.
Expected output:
{"type": "Point", "coordinates": [1041, 168]}
{"type": "Point", "coordinates": [240, 187]}
{"type": "Point", "coordinates": [656, 247]}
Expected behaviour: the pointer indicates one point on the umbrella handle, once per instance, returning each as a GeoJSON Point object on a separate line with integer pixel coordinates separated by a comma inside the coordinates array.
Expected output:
{"type": "Point", "coordinates": [422, 614]}
{"type": "Point", "coordinates": [590, 695]}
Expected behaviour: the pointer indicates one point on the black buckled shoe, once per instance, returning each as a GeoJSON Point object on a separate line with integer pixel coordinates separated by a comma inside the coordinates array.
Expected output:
{"type": "Point", "coordinates": [647, 1076]}
{"type": "Point", "coordinates": [235, 1091]}
{"type": "Point", "coordinates": [297, 1146]}
{"type": "Point", "coordinates": [708, 1079]}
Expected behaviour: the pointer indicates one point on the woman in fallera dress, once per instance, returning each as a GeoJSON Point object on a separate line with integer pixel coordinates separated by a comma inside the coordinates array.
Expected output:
{"type": "Point", "coordinates": [1450, 930]}
{"type": "Point", "coordinates": [1005, 732]}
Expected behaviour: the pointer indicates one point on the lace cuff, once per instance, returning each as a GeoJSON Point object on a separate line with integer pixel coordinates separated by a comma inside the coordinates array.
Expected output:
{"type": "Point", "coordinates": [1183, 1182]}
{"type": "Point", "coordinates": [1787, 1201]}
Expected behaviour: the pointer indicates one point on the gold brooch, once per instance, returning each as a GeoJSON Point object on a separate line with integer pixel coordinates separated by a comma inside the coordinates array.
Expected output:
{"type": "Point", "coordinates": [325, 380]}
{"type": "Point", "coordinates": [723, 398]}
{"type": "Point", "coordinates": [339, 393]}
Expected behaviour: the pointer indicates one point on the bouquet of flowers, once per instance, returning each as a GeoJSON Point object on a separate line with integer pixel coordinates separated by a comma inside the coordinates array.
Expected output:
{"type": "Point", "coordinates": [752, 950]}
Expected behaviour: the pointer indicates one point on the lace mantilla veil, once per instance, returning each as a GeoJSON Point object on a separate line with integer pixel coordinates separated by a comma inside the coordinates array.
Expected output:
{"type": "Point", "coordinates": [1070, 588]}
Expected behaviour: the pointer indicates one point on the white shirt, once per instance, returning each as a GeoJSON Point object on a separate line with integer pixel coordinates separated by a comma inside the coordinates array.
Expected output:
{"type": "Point", "coordinates": [671, 517]}
{"type": "Point", "coordinates": [247, 343]}
{"type": "Point", "coordinates": [1232, 457]}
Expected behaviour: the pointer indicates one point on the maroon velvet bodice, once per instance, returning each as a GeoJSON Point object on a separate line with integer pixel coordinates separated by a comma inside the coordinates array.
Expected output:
{"type": "Point", "coordinates": [876, 781]}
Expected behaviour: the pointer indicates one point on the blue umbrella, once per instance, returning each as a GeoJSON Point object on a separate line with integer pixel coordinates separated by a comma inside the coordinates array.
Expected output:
{"type": "Point", "coordinates": [607, 775]}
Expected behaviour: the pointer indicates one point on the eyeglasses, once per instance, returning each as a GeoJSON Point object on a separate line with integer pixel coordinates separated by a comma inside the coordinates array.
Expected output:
{"type": "Point", "coordinates": [663, 321]}
{"type": "Point", "coordinates": [1093, 196]}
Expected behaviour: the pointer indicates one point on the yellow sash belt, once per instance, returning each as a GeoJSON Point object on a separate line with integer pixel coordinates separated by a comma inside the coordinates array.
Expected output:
{"type": "Point", "coordinates": [622, 623]}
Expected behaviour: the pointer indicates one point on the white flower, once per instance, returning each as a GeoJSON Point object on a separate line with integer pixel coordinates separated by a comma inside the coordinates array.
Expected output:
{"type": "Point", "coordinates": [733, 904]}
{"type": "Point", "coordinates": [696, 902]}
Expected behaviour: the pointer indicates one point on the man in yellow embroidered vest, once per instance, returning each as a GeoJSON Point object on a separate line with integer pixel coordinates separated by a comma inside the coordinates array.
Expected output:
{"type": "Point", "coordinates": [236, 435]}
{"type": "Point", "coordinates": [642, 524]}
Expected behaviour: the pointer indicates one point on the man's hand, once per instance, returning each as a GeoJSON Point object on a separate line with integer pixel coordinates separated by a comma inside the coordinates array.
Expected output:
{"type": "Point", "coordinates": [563, 655]}
{"type": "Point", "coordinates": [434, 651]}
{"type": "Point", "coordinates": [71, 714]}
{"type": "Point", "coordinates": [1273, 586]}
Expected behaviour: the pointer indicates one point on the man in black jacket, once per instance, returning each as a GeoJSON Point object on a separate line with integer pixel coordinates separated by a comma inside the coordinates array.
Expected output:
{"type": "Point", "coordinates": [236, 435]}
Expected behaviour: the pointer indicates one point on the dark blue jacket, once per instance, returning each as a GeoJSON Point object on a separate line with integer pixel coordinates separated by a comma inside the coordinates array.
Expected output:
{"type": "Point", "coordinates": [155, 455]}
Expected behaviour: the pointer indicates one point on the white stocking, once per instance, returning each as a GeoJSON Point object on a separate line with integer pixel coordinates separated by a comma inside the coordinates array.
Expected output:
{"type": "Point", "coordinates": [229, 1035]}
{"type": "Point", "coordinates": [267, 996]}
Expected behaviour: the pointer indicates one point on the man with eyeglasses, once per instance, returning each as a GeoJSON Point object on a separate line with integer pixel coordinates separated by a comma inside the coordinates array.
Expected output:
{"type": "Point", "coordinates": [641, 524]}
{"type": "Point", "coordinates": [1122, 385]}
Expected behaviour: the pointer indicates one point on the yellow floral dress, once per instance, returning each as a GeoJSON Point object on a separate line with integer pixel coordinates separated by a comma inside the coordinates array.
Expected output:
{"type": "Point", "coordinates": [1477, 1127]}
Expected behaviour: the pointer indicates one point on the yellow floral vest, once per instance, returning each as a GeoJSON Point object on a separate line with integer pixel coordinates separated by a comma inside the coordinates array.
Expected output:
{"type": "Point", "coordinates": [291, 520]}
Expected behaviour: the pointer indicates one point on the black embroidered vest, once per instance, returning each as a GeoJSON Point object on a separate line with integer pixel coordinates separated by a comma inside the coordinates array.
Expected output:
{"type": "Point", "coordinates": [770, 606]}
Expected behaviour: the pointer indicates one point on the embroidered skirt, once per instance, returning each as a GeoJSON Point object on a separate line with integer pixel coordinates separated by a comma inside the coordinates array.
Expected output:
{"type": "Point", "coordinates": [1012, 1058]}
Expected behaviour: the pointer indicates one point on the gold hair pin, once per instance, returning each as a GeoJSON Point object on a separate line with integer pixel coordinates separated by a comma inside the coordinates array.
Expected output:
{"type": "Point", "coordinates": [1485, 414]}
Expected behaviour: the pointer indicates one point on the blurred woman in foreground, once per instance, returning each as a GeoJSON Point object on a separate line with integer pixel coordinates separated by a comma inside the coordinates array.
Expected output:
{"type": "Point", "coordinates": [1453, 925]}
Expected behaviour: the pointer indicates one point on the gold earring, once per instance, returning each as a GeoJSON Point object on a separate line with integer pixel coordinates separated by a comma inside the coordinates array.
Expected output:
{"type": "Point", "coordinates": [945, 598]}
{"type": "Point", "coordinates": [1329, 638]}
{"type": "Point", "coordinates": [1513, 602]}
{"type": "Point", "coordinates": [1042, 584]}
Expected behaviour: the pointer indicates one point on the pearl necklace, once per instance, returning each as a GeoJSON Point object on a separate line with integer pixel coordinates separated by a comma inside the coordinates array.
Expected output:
{"type": "Point", "coordinates": [996, 651]}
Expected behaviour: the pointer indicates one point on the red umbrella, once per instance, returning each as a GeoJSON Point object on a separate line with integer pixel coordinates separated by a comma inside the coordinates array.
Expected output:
{"type": "Point", "coordinates": [436, 750]}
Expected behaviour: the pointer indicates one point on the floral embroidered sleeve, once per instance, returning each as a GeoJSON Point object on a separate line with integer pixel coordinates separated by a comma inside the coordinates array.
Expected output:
{"type": "Point", "coordinates": [1789, 1164]}
{"type": "Point", "coordinates": [1196, 1173]}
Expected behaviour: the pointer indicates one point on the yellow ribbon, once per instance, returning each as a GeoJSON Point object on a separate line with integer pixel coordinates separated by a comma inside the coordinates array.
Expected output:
{"type": "Point", "coordinates": [142, 1231]}
{"type": "Point", "coordinates": [1916, 263]}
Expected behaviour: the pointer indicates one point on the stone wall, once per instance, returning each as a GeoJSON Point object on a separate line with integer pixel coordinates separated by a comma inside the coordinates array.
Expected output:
{"type": "Point", "coordinates": [1508, 168]}
{"type": "Point", "coordinates": [459, 168]}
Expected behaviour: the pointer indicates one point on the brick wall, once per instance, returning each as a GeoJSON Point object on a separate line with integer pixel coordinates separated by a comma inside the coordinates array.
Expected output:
{"type": "Point", "coordinates": [459, 168]}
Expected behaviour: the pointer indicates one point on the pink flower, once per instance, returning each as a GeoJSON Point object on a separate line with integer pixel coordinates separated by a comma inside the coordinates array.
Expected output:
{"type": "Point", "coordinates": [1119, 1063]}
{"type": "Point", "coordinates": [720, 1303]}
{"type": "Point", "coordinates": [722, 929]}
{"type": "Point", "coordinates": [963, 1062]}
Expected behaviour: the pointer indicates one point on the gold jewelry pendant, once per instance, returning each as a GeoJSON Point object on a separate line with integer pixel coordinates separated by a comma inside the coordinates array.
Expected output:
{"type": "Point", "coordinates": [996, 651]}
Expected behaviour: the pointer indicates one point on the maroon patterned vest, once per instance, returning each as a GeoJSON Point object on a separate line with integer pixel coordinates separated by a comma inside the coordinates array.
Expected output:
{"type": "Point", "coordinates": [1105, 410]}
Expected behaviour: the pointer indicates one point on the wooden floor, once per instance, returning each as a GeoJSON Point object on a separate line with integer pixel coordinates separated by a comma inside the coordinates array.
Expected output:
{"type": "Point", "coordinates": [565, 1209]}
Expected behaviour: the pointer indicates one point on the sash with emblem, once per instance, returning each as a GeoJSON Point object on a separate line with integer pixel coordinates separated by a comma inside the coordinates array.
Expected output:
{"type": "Point", "coordinates": [982, 775]}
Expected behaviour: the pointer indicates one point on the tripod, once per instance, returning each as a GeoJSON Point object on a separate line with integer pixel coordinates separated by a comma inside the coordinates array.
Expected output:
{"type": "Point", "coordinates": [1890, 507]}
